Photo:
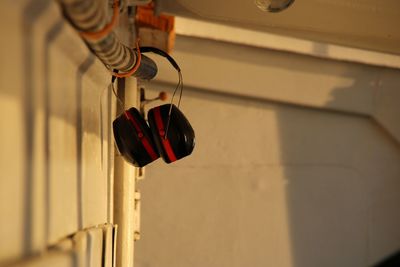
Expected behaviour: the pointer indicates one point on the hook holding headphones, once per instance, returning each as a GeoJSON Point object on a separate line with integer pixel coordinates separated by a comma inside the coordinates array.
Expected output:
{"type": "Point", "coordinates": [163, 96]}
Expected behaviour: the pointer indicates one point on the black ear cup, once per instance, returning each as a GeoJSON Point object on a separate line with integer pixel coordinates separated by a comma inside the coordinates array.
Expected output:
{"type": "Point", "coordinates": [134, 139]}
{"type": "Point", "coordinates": [180, 139]}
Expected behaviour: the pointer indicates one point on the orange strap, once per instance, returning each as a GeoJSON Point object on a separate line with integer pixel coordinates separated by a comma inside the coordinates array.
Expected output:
{"type": "Point", "coordinates": [107, 28]}
{"type": "Point", "coordinates": [135, 67]}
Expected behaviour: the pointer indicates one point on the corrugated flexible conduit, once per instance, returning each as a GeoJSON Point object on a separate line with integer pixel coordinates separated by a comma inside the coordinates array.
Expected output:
{"type": "Point", "coordinates": [90, 16]}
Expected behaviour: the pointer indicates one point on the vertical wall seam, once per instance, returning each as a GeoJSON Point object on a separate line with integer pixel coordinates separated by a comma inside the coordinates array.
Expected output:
{"type": "Point", "coordinates": [31, 12]}
{"type": "Point", "coordinates": [51, 35]}
{"type": "Point", "coordinates": [82, 69]}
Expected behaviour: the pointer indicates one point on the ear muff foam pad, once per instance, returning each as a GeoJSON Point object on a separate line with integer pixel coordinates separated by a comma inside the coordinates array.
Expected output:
{"type": "Point", "coordinates": [134, 138]}
{"type": "Point", "coordinates": [180, 139]}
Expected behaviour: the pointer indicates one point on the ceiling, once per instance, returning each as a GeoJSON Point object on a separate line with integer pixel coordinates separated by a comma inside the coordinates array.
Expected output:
{"type": "Point", "coordinates": [367, 24]}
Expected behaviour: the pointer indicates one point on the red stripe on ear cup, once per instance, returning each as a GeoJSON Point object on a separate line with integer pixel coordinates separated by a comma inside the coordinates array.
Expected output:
{"type": "Point", "coordinates": [165, 142]}
{"type": "Point", "coordinates": [153, 155]}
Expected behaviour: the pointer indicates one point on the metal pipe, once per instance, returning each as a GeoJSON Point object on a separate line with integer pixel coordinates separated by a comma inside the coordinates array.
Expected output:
{"type": "Point", "coordinates": [90, 16]}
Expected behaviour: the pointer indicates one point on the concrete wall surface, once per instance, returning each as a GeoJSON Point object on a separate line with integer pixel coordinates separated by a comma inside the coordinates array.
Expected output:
{"type": "Point", "coordinates": [56, 156]}
{"type": "Point", "coordinates": [297, 163]}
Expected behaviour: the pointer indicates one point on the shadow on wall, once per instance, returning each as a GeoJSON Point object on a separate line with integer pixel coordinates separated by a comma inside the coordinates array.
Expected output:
{"type": "Point", "coordinates": [274, 184]}
{"type": "Point", "coordinates": [342, 173]}
{"type": "Point", "coordinates": [30, 14]}
{"type": "Point", "coordinates": [391, 261]}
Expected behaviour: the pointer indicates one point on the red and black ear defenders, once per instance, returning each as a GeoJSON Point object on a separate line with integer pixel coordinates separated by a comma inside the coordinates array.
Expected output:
{"type": "Point", "coordinates": [141, 144]}
{"type": "Point", "coordinates": [168, 133]}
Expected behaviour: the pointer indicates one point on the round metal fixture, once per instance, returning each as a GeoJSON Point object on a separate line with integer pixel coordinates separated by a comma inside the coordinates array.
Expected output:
{"type": "Point", "coordinates": [273, 5]}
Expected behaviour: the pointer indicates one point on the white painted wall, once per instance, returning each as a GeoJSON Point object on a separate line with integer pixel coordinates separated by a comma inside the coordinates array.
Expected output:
{"type": "Point", "coordinates": [56, 156]}
{"type": "Point", "coordinates": [292, 166]}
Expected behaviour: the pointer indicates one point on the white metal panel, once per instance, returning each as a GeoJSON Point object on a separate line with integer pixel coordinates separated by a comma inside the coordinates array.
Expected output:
{"type": "Point", "coordinates": [12, 185]}
{"type": "Point", "coordinates": [57, 151]}
{"type": "Point", "coordinates": [108, 241]}
{"type": "Point", "coordinates": [95, 247]}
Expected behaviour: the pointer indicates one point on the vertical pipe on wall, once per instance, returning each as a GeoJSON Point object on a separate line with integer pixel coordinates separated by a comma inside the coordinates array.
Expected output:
{"type": "Point", "coordinates": [124, 190]}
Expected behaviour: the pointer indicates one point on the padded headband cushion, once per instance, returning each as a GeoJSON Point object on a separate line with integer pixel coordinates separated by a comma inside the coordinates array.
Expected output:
{"type": "Point", "coordinates": [134, 139]}
{"type": "Point", "coordinates": [180, 140]}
